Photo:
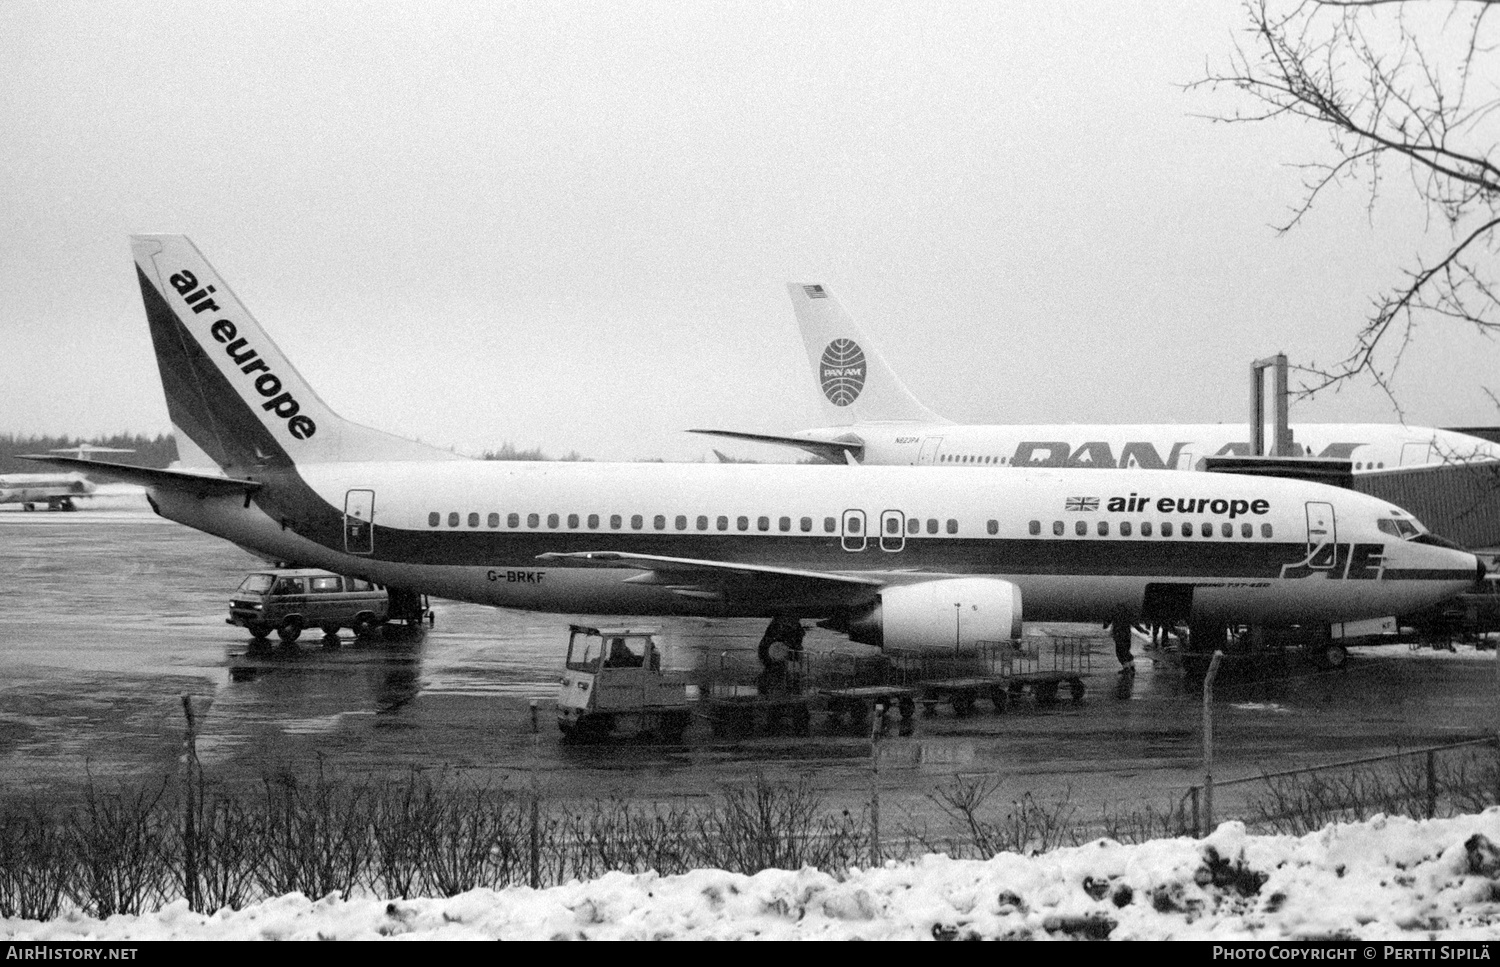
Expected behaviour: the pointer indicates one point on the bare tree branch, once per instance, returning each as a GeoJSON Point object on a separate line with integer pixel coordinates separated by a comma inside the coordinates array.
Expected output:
{"type": "Point", "coordinates": [1390, 82]}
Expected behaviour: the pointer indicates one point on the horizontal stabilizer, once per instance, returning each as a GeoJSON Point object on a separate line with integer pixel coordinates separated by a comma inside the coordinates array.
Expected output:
{"type": "Point", "coordinates": [834, 451]}
{"type": "Point", "coordinates": [186, 481]}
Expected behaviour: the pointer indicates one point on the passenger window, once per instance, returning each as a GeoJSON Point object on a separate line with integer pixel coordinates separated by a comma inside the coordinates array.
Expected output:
{"type": "Point", "coordinates": [1246, 530]}
{"type": "Point", "coordinates": [952, 526]}
{"type": "Point", "coordinates": [702, 523]}
{"type": "Point", "coordinates": [932, 525]}
{"type": "Point", "coordinates": [453, 519]}
{"type": "Point", "coordinates": [637, 522]}
{"type": "Point", "coordinates": [615, 522]}
{"type": "Point", "coordinates": [993, 527]}
{"type": "Point", "coordinates": [553, 520]}
{"type": "Point", "coordinates": [1227, 529]}
{"type": "Point", "coordinates": [572, 522]}
{"type": "Point", "coordinates": [681, 522]}
{"type": "Point", "coordinates": [289, 586]}
{"type": "Point", "coordinates": [325, 585]}
{"type": "Point", "coordinates": [1103, 528]}
{"type": "Point", "coordinates": [659, 522]}
{"type": "Point", "coordinates": [807, 525]}
{"type": "Point", "coordinates": [593, 522]}
{"type": "Point", "coordinates": [1145, 528]}
{"type": "Point", "coordinates": [1124, 528]}
{"type": "Point", "coordinates": [513, 520]}
{"type": "Point", "coordinates": [723, 523]}
{"type": "Point", "coordinates": [494, 520]}
{"type": "Point", "coordinates": [1035, 527]}
{"type": "Point", "coordinates": [1166, 528]}
{"type": "Point", "coordinates": [1187, 528]}
{"type": "Point", "coordinates": [830, 525]}
{"type": "Point", "coordinates": [851, 523]}
{"type": "Point", "coordinates": [473, 520]}
{"type": "Point", "coordinates": [892, 525]}
{"type": "Point", "coordinates": [1206, 529]}
{"type": "Point", "coordinates": [763, 523]}
{"type": "Point", "coordinates": [356, 584]}
{"type": "Point", "coordinates": [913, 526]}
{"type": "Point", "coordinates": [434, 518]}
{"type": "Point", "coordinates": [1081, 528]}
{"type": "Point", "coordinates": [785, 524]}
{"type": "Point", "coordinates": [1265, 530]}
{"type": "Point", "coordinates": [742, 523]}
{"type": "Point", "coordinates": [1057, 528]}
{"type": "Point", "coordinates": [533, 520]}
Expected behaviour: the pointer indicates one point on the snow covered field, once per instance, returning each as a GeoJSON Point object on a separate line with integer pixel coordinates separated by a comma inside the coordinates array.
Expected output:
{"type": "Point", "coordinates": [1387, 879]}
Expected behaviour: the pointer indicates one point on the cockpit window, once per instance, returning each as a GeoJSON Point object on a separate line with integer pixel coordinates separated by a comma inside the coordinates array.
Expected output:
{"type": "Point", "coordinates": [1397, 527]}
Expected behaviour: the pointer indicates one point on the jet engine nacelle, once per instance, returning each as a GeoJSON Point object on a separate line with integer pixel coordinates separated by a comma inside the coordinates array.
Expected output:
{"type": "Point", "coordinates": [949, 615]}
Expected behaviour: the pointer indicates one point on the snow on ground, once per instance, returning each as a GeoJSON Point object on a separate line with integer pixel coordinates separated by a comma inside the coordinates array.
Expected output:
{"type": "Point", "coordinates": [1383, 879]}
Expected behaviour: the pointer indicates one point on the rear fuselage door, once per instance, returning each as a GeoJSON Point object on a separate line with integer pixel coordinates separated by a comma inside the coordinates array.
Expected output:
{"type": "Point", "coordinates": [892, 530]}
{"type": "Point", "coordinates": [929, 450]}
{"type": "Point", "coordinates": [854, 530]}
{"type": "Point", "coordinates": [1322, 535]}
{"type": "Point", "coordinates": [359, 522]}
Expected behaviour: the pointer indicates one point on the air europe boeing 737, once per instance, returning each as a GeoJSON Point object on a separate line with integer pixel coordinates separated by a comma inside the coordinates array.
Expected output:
{"type": "Point", "coordinates": [875, 420]}
{"type": "Point", "coordinates": [895, 557]}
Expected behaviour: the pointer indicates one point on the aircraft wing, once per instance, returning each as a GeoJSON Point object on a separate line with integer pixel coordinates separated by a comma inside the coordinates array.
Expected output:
{"type": "Point", "coordinates": [201, 484]}
{"type": "Point", "coordinates": [725, 581]}
{"type": "Point", "coordinates": [849, 450]}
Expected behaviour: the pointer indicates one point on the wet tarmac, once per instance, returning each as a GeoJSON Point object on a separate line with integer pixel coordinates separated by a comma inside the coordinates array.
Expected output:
{"type": "Point", "coordinates": [109, 617]}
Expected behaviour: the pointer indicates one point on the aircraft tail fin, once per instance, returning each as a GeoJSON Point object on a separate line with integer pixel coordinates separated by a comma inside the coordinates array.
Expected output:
{"type": "Point", "coordinates": [855, 385]}
{"type": "Point", "coordinates": [235, 401]}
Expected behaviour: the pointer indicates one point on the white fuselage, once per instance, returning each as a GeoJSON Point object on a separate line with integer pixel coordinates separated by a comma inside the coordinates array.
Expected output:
{"type": "Point", "coordinates": [27, 488]}
{"type": "Point", "coordinates": [474, 530]}
{"type": "Point", "coordinates": [1368, 446]}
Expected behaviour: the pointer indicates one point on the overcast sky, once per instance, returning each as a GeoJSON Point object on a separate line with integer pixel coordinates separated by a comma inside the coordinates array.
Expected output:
{"type": "Point", "coordinates": [571, 225]}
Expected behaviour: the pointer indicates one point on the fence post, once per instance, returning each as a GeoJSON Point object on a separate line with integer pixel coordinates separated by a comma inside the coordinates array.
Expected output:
{"type": "Point", "coordinates": [1197, 829]}
{"type": "Point", "coordinates": [875, 854]}
{"type": "Point", "coordinates": [536, 835]}
{"type": "Point", "coordinates": [1431, 783]}
{"type": "Point", "coordinates": [190, 812]}
{"type": "Point", "coordinates": [1208, 743]}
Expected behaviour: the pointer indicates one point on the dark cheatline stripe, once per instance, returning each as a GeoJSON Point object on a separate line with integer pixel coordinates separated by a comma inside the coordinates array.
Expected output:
{"type": "Point", "coordinates": [1427, 574]}
{"type": "Point", "coordinates": [951, 555]}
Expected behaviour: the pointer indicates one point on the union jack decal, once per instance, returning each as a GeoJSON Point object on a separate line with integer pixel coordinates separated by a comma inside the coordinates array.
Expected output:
{"type": "Point", "coordinates": [1082, 503]}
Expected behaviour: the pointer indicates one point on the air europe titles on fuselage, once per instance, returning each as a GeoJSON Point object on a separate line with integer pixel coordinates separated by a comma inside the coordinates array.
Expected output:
{"type": "Point", "coordinates": [1219, 506]}
{"type": "Point", "coordinates": [267, 384]}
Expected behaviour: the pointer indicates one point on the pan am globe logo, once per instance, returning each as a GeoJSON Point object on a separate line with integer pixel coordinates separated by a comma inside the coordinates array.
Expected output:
{"type": "Point", "coordinates": [843, 371]}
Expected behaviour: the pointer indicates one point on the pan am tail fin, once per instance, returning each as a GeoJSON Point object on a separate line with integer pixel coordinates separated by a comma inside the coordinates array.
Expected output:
{"type": "Point", "coordinates": [235, 401]}
{"type": "Point", "coordinates": [854, 383]}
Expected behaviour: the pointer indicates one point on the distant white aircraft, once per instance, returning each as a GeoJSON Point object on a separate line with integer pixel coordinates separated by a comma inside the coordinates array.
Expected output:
{"type": "Point", "coordinates": [874, 419]}
{"type": "Point", "coordinates": [931, 560]}
{"type": "Point", "coordinates": [57, 490]}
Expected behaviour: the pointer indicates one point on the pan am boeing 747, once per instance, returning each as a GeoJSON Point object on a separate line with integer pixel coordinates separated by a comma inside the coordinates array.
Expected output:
{"type": "Point", "coordinates": [874, 419]}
